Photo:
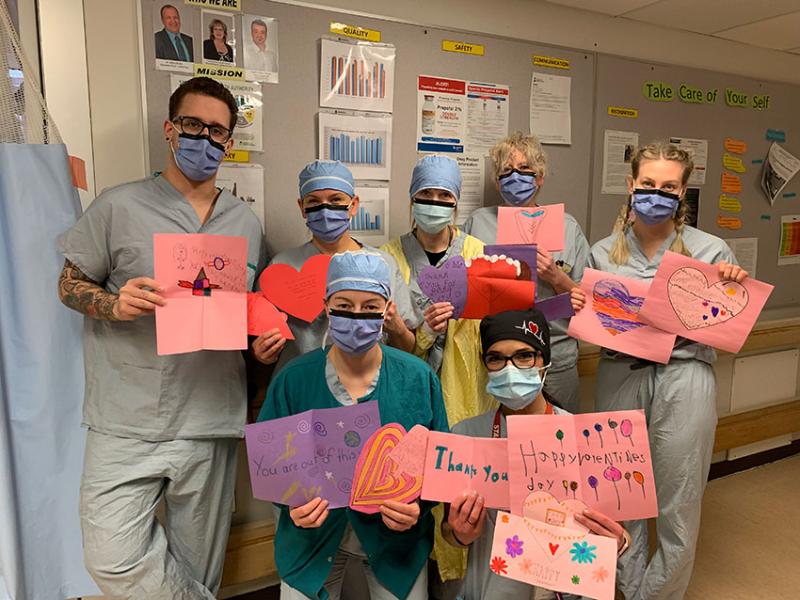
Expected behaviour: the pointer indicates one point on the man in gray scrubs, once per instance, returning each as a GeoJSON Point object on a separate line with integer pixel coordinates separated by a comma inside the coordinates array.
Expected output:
{"type": "Point", "coordinates": [327, 202]}
{"type": "Point", "coordinates": [161, 428]}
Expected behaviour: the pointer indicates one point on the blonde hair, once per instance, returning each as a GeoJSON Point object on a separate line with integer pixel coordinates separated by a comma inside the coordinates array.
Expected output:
{"type": "Point", "coordinates": [527, 144]}
{"type": "Point", "coordinates": [659, 150]}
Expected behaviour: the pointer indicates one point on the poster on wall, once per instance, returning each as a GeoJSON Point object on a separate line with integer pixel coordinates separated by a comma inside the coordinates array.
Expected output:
{"type": "Point", "coordinates": [245, 182]}
{"type": "Point", "coordinates": [441, 114]}
{"type": "Point", "coordinates": [248, 134]}
{"type": "Point", "coordinates": [472, 168]}
{"type": "Point", "coordinates": [370, 225]}
{"type": "Point", "coordinates": [175, 30]}
{"type": "Point", "coordinates": [789, 248]}
{"type": "Point", "coordinates": [618, 149]}
{"type": "Point", "coordinates": [357, 76]}
{"type": "Point", "coordinates": [362, 141]}
{"type": "Point", "coordinates": [779, 167]}
{"type": "Point", "coordinates": [219, 37]}
{"type": "Point", "coordinates": [550, 116]}
{"type": "Point", "coordinates": [260, 48]}
{"type": "Point", "coordinates": [698, 151]}
{"type": "Point", "coordinates": [487, 115]}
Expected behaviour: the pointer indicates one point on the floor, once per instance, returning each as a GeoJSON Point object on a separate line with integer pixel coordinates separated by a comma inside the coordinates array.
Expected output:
{"type": "Point", "coordinates": [751, 523]}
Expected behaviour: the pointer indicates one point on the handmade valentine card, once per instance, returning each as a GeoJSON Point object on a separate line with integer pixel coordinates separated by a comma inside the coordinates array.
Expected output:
{"type": "Point", "coordinates": [205, 284]}
{"type": "Point", "coordinates": [556, 307]}
{"type": "Point", "coordinates": [611, 318]}
{"type": "Point", "coordinates": [555, 558]}
{"type": "Point", "coordinates": [540, 225]}
{"type": "Point", "coordinates": [526, 254]}
{"type": "Point", "coordinates": [459, 463]}
{"type": "Point", "coordinates": [300, 294]}
{"type": "Point", "coordinates": [386, 470]}
{"type": "Point", "coordinates": [446, 283]}
{"type": "Point", "coordinates": [602, 459]}
{"type": "Point", "coordinates": [689, 298]}
{"type": "Point", "coordinates": [263, 316]}
{"type": "Point", "coordinates": [294, 459]}
{"type": "Point", "coordinates": [493, 286]}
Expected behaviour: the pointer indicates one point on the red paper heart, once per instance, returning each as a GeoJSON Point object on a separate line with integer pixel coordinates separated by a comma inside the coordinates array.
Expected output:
{"type": "Point", "coordinates": [553, 548]}
{"type": "Point", "coordinates": [263, 316]}
{"type": "Point", "coordinates": [377, 477]}
{"type": "Point", "coordinates": [301, 294]}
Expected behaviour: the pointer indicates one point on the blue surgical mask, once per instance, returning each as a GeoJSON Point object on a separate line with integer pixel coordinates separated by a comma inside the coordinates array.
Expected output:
{"type": "Point", "coordinates": [432, 216]}
{"type": "Point", "coordinates": [355, 333]}
{"type": "Point", "coordinates": [654, 206]}
{"type": "Point", "coordinates": [515, 388]}
{"type": "Point", "coordinates": [197, 156]}
{"type": "Point", "coordinates": [327, 221]}
{"type": "Point", "coordinates": [517, 187]}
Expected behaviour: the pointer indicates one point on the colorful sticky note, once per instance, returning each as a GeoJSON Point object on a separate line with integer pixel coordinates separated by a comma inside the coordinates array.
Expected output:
{"type": "Point", "coordinates": [583, 457]}
{"type": "Point", "coordinates": [733, 163]}
{"type": "Point", "coordinates": [77, 168]}
{"type": "Point", "coordinates": [378, 478]}
{"type": "Point", "coordinates": [790, 195]}
{"type": "Point", "coordinates": [729, 203]}
{"type": "Point", "coordinates": [205, 283]}
{"type": "Point", "coordinates": [735, 146]}
{"type": "Point", "coordinates": [776, 135]}
{"type": "Point", "coordinates": [765, 217]}
{"type": "Point", "coordinates": [263, 316]}
{"type": "Point", "coordinates": [611, 317]}
{"type": "Point", "coordinates": [757, 161]}
{"type": "Point", "coordinates": [556, 307]}
{"type": "Point", "coordinates": [731, 184]}
{"type": "Point", "coordinates": [540, 225]}
{"type": "Point", "coordinates": [492, 287]}
{"type": "Point", "coordinates": [688, 298]}
{"type": "Point", "coordinates": [295, 459]}
{"type": "Point", "coordinates": [724, 222]}
{"type": "Point", "coordinates": [459, 463]}
{"type": "Point", "coordinates": [446, 283]}
{"type": "Point", "coordinates": [553, 557]}
{"type": "Point", "coordinates": [301, 294]}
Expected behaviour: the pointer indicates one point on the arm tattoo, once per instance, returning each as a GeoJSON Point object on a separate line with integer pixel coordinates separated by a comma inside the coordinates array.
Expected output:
{"type": "Point", "coordinates": [80, 292]}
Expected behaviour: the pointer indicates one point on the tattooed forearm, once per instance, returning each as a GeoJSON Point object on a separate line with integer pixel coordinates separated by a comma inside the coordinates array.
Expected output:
{"type": "Point", "coordinates": [79, 292]}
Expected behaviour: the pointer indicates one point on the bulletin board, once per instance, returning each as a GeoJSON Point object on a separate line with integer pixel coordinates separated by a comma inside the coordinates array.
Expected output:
{"type": "Point", "coordinates": [620, 84]}
{"type": "Point", "coordinates": [291, 106]}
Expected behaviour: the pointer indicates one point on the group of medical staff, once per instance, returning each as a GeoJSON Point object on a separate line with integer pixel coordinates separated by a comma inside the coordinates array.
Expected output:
{"type": "Point", "coordinates": [165, 429]}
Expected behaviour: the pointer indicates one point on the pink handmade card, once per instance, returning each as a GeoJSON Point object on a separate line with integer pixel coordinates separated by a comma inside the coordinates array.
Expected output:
{"type": "Point", "coordinates": [602, 459]}
{"type": "Point", "coordinates": [205, 286]}
{"type": "Point", "coordinates": [540, 225]}
{"type": "Point", "coordinates": [459, 463]}
{"type": "Point", "coordinates": [611, 318]}
{"type": "Point", "coordinates": [555, 558]}
{"type": "Point", "coordinates": [688, 298]}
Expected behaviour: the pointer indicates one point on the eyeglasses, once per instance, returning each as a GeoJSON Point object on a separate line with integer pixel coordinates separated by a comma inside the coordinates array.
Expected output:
{"type": "Point", "coordinates": [524, 359]}
{"type": "Point", "coordinates": [194, 126]}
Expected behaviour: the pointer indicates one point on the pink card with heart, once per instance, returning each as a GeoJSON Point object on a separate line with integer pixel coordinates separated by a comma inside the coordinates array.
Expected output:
{"type": "Point", "coordinates": [611, 318]}
{"type": "Point", "coordinates": [688, 298]}
{"type": "Point", "coordinates": [556, 558]}
{"type": "Point", "coordinates": [540, 225]}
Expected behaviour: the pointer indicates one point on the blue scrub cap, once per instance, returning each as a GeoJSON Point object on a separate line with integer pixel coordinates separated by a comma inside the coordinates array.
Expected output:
{"type": "Point", "coordinates": [439, 172]}
{"type": "Point", "coordinates": [362, 271]}
{"type": "Point", "coordinates": [326, 175]}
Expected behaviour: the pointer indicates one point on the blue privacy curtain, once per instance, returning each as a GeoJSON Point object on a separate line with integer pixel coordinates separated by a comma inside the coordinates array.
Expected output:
{"type": "Point", "coordinates": [41, 382]}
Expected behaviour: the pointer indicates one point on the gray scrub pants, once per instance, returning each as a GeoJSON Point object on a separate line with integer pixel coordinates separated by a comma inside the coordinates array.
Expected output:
{"type": "Point", "coordinates": [680, 404]}
{"type": "Point", "coordinates": [127, 551]}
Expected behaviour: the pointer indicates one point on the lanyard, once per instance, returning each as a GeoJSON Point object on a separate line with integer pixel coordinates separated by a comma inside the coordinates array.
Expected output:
{"type": "Point", "coordinates": [497, 416]}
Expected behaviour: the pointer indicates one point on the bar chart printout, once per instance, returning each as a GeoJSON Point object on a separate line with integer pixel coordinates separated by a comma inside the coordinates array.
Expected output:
{"type": "Point", "coordinates": [357, 76]}
{"type": "Point", "coordinates": [360, 141]}
{"type": "Point", "coordinates": [369, 225]}
{"type": "Point", "coordinates": [789, 249]}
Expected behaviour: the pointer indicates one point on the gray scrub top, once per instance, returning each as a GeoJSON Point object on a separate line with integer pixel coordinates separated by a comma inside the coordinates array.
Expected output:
{"type": "Point", "coordinates": [130, 390]}
{"type": "Point", "coordinates": [564, 350]}
{"type": "Point", "coordinates": [480, 581]}
{"type": "Point", "coordinates": [309, 336]}
{"type": "Point", "coordinates": [703, 246]}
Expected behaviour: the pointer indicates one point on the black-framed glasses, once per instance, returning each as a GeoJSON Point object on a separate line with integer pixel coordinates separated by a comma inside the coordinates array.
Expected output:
{"type": "Point", "coordinates": [194, 126]}
{"type": "Point", "coordinates": [524, 359]}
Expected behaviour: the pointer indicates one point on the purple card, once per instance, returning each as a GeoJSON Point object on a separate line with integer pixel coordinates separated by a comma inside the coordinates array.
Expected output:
{"type": "Point", "coordinates": [524, 253]}
{"type": "Point", "coordinates": [447, 283]}
{"type": "Point", "coordinates": [314, 453]}
{"type": "Point", "coordinates": [556, 307]}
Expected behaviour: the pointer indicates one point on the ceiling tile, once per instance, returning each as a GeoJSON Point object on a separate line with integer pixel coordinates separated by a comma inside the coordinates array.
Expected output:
{"type": "Point", "coordinates": [608, 7]}
{"type": "Point", "coordinates": [780, 33]}
{"type": "Point", "coordinates": [710, 16]}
